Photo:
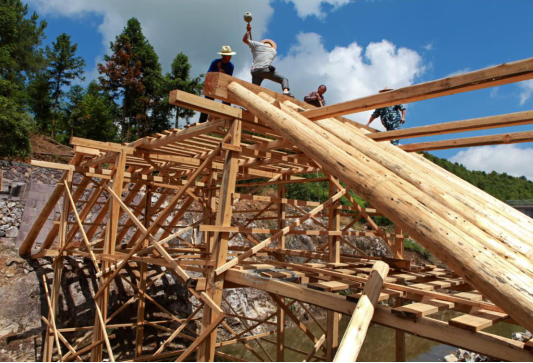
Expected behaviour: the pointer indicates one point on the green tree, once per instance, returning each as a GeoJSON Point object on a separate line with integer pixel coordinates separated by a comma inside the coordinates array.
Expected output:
{"type": "Point", "coordinates": [179, 78]}
{"type": "Point", "coordinates": [132, 73]}
{"type": "Point", "coordinates": [64, 67]}
{"type": "Point", "coordinates": [14, 130]}
{"type": "Point", "coordinates": [20, 53]}
{"type": "Point", "coordinates": [98, 116]}
{"type": "Point", "coordinates": [40, 102]}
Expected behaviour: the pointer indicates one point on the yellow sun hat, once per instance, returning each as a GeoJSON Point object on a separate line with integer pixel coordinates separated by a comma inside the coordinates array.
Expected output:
{"type": "Point", "coordinates": [271, 42]}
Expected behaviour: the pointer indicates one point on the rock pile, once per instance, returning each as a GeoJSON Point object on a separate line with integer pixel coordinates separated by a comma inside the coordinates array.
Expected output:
{"type": "Point", "coordinates": [19, 172]}
{"type": "Point", "coordinates": [523, 336]}
{"type": "Point", "coordinates": [462, 355]}
{"type": "Point", "coordinates": [10, 216]}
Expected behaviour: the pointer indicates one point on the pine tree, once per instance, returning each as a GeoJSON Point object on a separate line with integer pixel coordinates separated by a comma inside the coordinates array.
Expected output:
{"type": "Point", "coordinates": [40, 102]}
{"type": "Point", "coordinates": [133, 73]}
{"type": "Point", "coordinates": [90, 114]}
{"type": "Point", "coordinates": [20, 53]}
{"type": "Point", "coordinates": [64, 67]}
{"type": "Point", "coordinates": [180, 78]}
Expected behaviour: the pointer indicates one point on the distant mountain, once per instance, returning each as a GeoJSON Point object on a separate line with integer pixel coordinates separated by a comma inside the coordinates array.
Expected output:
{"type": "Point", "coordinates": [501, 186]}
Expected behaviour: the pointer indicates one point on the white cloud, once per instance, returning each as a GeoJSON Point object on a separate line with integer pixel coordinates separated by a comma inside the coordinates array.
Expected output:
{"type": "Point", "coordinates": [428, 46]}
{"type": "Point", "coordinates": [510, 159]}
{"type": "Point", "coordinates": [526, 88]}
{"type": "Point", "coordinates": [197, 28]}
{"type": "Point", "coordinates": [349, 72]}
{"type": "Point", "coordinates": [305, 8]}
{"type": "Point", "coordinates": [494, 92]}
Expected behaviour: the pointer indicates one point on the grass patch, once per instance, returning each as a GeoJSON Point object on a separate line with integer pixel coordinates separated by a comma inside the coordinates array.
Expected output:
{"type": "Point", "coordinates": [411, 245]}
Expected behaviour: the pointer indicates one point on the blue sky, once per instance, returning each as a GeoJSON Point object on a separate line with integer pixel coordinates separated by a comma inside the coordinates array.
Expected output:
{"type": "Point", "coordinates": [355, 47]}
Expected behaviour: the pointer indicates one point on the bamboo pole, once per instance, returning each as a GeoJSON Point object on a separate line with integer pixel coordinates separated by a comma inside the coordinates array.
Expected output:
{"type": "Point", "coordinates": [364, 311]}
{"type": "Point", "coordinates": [504, 284]}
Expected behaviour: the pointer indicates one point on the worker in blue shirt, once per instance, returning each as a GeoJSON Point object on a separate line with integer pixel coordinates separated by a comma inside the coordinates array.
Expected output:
{"type": "Point", "coordinates": [223, 65]}
{"type": "Point", "coordinates": [390, 117]}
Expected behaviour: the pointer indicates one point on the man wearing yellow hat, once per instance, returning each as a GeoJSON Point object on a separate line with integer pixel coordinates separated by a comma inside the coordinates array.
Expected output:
{"type": "Point", "coordinates": [264, 53]}
{"type": "Point", "coordinates": [223, 65]}
{"type": "Point", "coordinates": [390, 117]}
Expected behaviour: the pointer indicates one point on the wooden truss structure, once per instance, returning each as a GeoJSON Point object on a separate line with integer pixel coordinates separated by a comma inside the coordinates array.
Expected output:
{"type": "Point", "coordinates": [138, 193]}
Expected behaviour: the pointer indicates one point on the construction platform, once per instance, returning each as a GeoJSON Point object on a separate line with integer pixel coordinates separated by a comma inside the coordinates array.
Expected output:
{"type": "Point", "coordinates": [137, 194]}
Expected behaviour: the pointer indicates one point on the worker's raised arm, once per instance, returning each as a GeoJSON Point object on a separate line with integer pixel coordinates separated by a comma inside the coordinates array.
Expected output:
{"type": "Point", "coordinates": [246, 38]}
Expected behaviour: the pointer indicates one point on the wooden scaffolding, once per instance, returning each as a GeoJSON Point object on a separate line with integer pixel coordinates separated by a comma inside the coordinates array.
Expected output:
{"type": "Point", "coordinates": [137, 194]}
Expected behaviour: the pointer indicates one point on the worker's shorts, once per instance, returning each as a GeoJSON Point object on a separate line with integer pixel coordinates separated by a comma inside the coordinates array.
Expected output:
{"type": "Point", "coordinates": [258, 75]}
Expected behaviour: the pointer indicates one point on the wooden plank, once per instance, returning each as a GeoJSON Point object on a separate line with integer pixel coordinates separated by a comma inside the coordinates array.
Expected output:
{"type": "Point", "coordinates": [201, 104]}
{"type": "Point", "coordinates": [189, 133]}
{"type": "Point", "coordinates": [510, 138]}
{"type": "Point", "coordinates": [51, 165]}
{"type": "Point", "coordinates": [478, 320]}
{"type": "Point", "coordinates": [489, 77]}
{"type": "Point", "coordinates": [418, 310]}
{"type": "Point", "coordinates": [101, 145]}
{"type": "Point", "coordinates": [474, 296]}
{"type": "Point", "coordinates": [511, 119]}
{"type": "Point", "coordinates": [332, 286]}
{"type": "Point", "coordinates": [385, 294]}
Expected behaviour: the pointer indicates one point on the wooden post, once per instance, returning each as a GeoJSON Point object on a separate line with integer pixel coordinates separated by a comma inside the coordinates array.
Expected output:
{"type": "Point", "coordinates": [399, 336]}
{"type": "Point", "coordinates": [364, 311]}
{"type": "Point", "coordinates": [143, 269]}
{"type": "Point", "coordinates": [215, 284]}
{"type": "Point", "coordinates": [332, 332]}
{"type": "Point", "coordinates": [398, 242]}
{"type": "Point", "coordinates": [58, 269]}
{"type": "Point", "coordinates": [210, 207]}
{"type": "Point", "coordinates": [102, 301]}
{"type": "Point", "coordinates": [280, 313]}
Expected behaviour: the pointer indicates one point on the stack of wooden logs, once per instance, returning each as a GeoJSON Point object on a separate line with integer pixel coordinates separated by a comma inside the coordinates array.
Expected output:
{"type": "Point", "coordinates": [481, 239]}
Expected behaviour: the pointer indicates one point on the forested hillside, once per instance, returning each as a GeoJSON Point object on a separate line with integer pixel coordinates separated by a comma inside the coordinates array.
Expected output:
{"type": "Point", "coordinates": [501, 186]}
{"type": "Point", "coordinates": [42, 89]}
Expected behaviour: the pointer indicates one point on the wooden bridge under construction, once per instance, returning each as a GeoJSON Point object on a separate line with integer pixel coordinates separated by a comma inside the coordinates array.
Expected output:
{"type": "Point", "coordinates": [273, 140]}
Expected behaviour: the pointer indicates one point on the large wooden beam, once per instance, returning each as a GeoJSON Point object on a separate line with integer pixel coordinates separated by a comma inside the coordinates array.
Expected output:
{"type": "Point", "coordinates": [506, 285]}
{"type": "Point", "coordinates": [197, 103]}
{"type": "Point", "coordinates": [482, 123]}
{"type": "Point", "coordinates": [489, 77]}
{"type": "Point", "coordinates": [511, 138]}
{"type": "Point", "coordinates": [364, 311]}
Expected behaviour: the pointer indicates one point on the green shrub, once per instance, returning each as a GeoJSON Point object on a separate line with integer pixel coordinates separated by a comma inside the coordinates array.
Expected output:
{"type": "Point", "coordinates": [15, 130]}
{"type": "Point", "coordinates": [411, 245]}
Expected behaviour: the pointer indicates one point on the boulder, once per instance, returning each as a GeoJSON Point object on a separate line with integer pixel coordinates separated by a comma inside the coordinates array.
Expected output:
{"type": "Point", "coordinates": [12, 232]}
{"type": "Point", "coordinates": [451, 358]}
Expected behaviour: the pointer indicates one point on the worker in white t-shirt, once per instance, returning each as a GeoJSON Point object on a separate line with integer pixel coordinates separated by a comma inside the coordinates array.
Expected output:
{"type": "Point", "coordinates": [264, 53]}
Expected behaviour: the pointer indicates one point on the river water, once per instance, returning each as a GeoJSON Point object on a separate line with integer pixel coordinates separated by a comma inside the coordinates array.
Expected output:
{"type": "Point", "coordinates": [379, 345]}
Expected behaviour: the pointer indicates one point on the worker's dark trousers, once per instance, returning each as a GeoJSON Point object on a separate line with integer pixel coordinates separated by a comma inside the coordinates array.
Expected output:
{"type": "Point", "coordinates": [203, 116]}
{"type": "Point", "coordinates": [259, 75]}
